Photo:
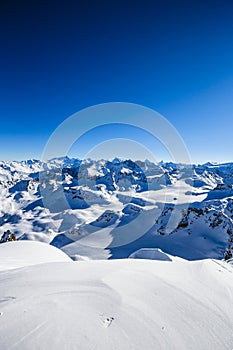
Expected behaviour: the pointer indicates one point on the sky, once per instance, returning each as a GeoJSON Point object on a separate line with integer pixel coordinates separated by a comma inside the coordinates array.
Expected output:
{"type": "Point", "coordinates": [58, 57]}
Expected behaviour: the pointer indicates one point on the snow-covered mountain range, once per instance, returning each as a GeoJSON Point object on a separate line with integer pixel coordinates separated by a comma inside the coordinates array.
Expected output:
{"type": "Point", "coordinates": [165, 214]}
{"type": "Point", "coordinates": [117, 209]}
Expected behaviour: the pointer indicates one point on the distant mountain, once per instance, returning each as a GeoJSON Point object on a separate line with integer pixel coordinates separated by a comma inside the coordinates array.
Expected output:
{"type": "Point", "coordinates": [112, 209]}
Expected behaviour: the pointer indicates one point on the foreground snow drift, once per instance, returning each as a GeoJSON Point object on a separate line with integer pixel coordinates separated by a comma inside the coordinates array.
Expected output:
{"type": "Point", "coordinates": [118, 304]}
{"type": "Point", "coordinates": [24, 253]}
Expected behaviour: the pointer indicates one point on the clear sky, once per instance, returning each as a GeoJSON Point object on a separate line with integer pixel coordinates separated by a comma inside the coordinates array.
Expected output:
{"type": "Point", "coordinates": [58, 57]}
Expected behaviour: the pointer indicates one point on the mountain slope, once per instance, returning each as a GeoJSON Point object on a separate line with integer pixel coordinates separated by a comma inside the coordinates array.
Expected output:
{"type": "Point", "coordinates": [102, 209]}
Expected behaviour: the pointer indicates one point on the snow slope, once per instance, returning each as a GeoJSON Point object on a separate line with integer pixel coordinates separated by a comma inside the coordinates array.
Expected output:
{"type": "Point", "coordinates": [117, 304]}
{"type": "Point", "coordinates": [24, 253]}
{"type": "Point", "coordinates": [151, 254]}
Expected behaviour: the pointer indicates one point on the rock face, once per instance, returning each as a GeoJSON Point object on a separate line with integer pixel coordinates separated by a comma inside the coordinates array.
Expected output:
{"type": "Point", "coordinates": [8, 236]}
{"type": "Point", "coordinates": [67, 201]}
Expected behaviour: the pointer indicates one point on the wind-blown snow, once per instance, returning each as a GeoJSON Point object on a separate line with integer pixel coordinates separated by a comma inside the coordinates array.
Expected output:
{"type": "Point", "coordinates": [118, 304]}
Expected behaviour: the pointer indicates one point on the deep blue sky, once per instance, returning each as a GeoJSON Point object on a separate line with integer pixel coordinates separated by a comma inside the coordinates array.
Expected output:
{"type": "Point", "coordinates": [58, 57]}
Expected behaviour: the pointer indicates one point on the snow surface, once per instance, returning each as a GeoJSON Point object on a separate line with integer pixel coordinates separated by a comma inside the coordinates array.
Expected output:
{"type": "Point", "coordinates": [118, 304]}
{"type": "Point", "coordinates": [24, 253]}
{"type": "Point", "coordinates": [150, 253]}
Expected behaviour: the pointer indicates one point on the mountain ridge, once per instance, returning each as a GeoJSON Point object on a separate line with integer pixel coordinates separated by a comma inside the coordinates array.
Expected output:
{"type": "Point", "coordinates": [67, 202]}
